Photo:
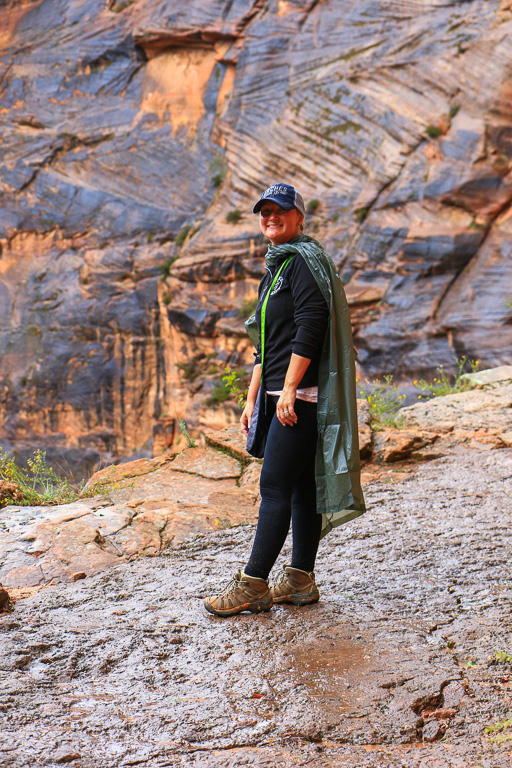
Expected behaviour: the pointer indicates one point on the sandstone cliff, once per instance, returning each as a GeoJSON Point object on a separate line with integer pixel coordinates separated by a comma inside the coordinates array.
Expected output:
{"type": "Point", "coordinates": [130, 129]}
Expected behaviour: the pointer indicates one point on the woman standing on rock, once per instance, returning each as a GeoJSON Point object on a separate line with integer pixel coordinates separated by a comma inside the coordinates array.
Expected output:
{"type": "Point", "coordinates": [302, 403]}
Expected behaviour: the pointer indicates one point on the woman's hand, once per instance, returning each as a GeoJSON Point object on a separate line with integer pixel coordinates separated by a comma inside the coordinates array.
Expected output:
{"type": "Point", "coordinates": [246, 418]}
{"type": "Point", "coordinates": [252, 396]}
{"type": "Point", "coordinates": [285, 408]}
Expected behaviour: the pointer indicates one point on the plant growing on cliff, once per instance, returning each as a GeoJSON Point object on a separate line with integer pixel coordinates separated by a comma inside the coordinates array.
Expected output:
{"type": "Point", "coordinates": [182, 236]}
{"type": "Point", "coordinates": [189, 369]}
{"type": "Point", "coordinates": [433, 131]}
{"type": "Point", "coordinates": [220, 394]}
{"type": "Point", "coordinates": [218, 169]}
{"type": "Point", "coordinates": [234, 216]}
{"type": "Point", "coordinates": [165, 268]}
{"type": "Point", "coordinates": [248, 307]}
{"type": "Point", "coordinates": [384, 400]}
{"type": "Point", "coordinates": [38, 483]}
{"type": "Point", "coordinates": [231, 381]}
{"type": "Point", "coordinates": [229, 388]}
{"type": "Point", "coordinates": [191, 443]}
{"type": "Point", "coordinates": [446, 385]}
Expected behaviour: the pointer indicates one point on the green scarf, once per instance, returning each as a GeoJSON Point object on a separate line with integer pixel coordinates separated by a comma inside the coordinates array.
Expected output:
{"type": "Point", "coordinates": [338, 484]}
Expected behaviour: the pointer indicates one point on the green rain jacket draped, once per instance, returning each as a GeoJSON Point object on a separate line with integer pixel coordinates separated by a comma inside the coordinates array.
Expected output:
{"type": "Point", "coordinates": [338, 475]}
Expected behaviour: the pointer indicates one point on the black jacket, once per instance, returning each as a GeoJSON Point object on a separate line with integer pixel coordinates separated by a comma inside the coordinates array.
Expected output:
{"type": "Point", "coordinates": [296, 321]}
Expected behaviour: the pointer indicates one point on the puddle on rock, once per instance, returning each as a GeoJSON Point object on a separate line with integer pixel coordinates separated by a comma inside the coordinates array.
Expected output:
{"type": "Point", "coordinates": [331, 672]}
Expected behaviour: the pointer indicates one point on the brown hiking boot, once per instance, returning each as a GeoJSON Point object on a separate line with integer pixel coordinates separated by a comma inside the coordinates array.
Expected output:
{"type": "Point", "coordinates": [243, 593]}
{"type": "Point", "coordinates": [295, 586]}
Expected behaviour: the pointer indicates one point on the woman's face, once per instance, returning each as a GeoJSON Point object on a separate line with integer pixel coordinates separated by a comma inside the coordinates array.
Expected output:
{"type": "Point", "coordinates": [278, 225]}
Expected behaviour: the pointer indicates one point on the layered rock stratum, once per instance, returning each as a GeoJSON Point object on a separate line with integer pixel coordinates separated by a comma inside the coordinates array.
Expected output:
{"type": "Point", "coordinates": [131, 129]}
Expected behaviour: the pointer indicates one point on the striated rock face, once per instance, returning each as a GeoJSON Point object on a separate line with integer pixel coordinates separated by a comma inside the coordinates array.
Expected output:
{"type": "Point", "coordinates": [129, 130]}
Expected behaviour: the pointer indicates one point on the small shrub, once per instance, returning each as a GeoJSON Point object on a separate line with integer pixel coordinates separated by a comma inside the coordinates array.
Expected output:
{"type": "Point", "coordinates": [454, 108]}
{"type": "Point", "coordinates": [503, 657]}
{"type": "Point", "coordinates": [117, 7]}
{"type": "Point", "coordinates": [190, 370]}
{"type": "Point", "coordinates": [191, 443]}
{"type": "Point", "coordinates": [444, 385]}
{"type": "Point", "coordinates": [498, 733]}
{"type": "Point", "coordinates": [433, 131]}
{"type": "Point", "coordinates": [248, 307]}
{"type": "Point", "coordinates": [165, 269]}
{"type": "Point", "coordinates": [219, 395]}
{"type": "Point", "coordinates": [384, 400]}
{"type": "Point", "coordinates": [312, 206]}
{"type": "Point", "coordinates": [182, 236]}
{"type": "Point", "coordinates": [218, 169]}
{"type": "Point", "coordinates": [234, 216]}
{"type": "Point", "coordinates": [231, 381]}
{"type": "Point", "coordinates": [361, 214]}
{"type": "Point", "coordinates": [40, 485]}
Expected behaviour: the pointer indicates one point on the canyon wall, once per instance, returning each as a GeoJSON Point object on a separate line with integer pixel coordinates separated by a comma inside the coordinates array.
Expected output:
{"type": "Point", "coordinates": [135, 138]}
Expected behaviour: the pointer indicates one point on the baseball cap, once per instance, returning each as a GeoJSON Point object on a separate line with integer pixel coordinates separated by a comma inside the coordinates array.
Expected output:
{"type": "Point", "coordinates": [284, 195]}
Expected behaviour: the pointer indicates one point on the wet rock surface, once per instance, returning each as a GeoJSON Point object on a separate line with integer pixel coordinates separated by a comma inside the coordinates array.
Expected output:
{"type": "Point", "coordinates": [395, 666]}
{"type": "Point", "coordinates": [146, 506]}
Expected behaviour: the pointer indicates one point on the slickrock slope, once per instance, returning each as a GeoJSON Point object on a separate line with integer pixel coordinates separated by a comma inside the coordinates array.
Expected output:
{"type": "Point", "coordinates": [131, 128]}
{"type": "Point", "coordinates": [149, 506]}
{"type": "Point", "coordinates": [404, 662]}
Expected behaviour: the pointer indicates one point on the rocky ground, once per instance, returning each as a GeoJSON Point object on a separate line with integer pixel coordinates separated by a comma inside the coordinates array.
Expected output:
{"type": "Point", "coordinates": [397, 665]}
{"type": "Point", "coordinates": [109, 659]}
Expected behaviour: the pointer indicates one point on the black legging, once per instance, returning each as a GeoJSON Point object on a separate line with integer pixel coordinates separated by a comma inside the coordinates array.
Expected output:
{"type": "Point", "coordinates": [288, 492]}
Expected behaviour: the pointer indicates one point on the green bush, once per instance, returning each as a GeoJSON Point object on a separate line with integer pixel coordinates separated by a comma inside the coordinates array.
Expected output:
{"type": "Point", "coordinates": [234, 216]}
{"type": "Point", "coordinates": [312, 206]}
{"type": "Point", "coordinates": [182, 236]}
{"type": "Point", "coordinates": [433, 131]}
{"type": "Point", "coordinates": [218, 169]}
{"type": "Point", "coordinates": [190, 369]}
{"type": "Point", "coordinates": [446, 385]}
{"type": "Point", "coordinates": [39, 484]}
{"type": "Point", "coordinates": [165, 269]}
{"type": "Point", "coordinates": [361, 214]}
{"type": "Point", "coordinates": [231, 381]}
{"type": "Point", "coordinates": [219, 395]}
{"type": "Point", "coordinates": [384, 400]}
{"type": "Point", "coordinates": [248, 307]}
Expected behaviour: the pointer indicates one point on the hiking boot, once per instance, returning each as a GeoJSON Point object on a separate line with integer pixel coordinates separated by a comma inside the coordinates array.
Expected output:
{"type": "Point", "coordinates": [243, 593]}
{"type": "Point", "coordinates": [295, 586]}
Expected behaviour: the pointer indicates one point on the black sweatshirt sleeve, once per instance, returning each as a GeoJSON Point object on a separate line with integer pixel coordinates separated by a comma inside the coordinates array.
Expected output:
{"type": "Point", "coordinates": [311, 313]}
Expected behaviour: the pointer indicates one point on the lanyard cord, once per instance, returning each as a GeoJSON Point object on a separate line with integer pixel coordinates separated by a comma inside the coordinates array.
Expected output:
{"type": "Point", "coordinates": [264, 309]}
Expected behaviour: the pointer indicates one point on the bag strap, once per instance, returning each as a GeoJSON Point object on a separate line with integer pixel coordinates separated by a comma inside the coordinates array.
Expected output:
{"type": "Point", "coordinates": [264, 308]}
